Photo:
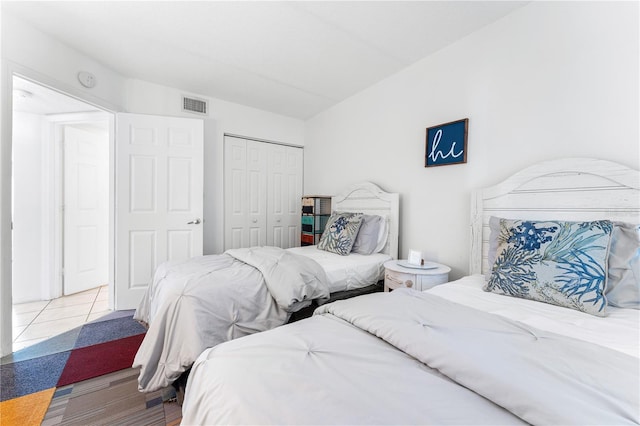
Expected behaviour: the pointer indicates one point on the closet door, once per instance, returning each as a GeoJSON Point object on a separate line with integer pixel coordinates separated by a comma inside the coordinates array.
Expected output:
{"type": "Point", "coordinates": [235, 189]}
{"type": "Point", "coordinates": [245, 187]}
{"type": "Point", "coordinates": [284, 191]}
{"type": "Point", "coordinates": [256, 193]}
{"type": "Point", "coordinates": [262, 192]}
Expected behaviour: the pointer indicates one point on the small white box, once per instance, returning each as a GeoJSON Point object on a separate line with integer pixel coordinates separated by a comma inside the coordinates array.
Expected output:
{"type": "Point", "coordinates": [415, 257]}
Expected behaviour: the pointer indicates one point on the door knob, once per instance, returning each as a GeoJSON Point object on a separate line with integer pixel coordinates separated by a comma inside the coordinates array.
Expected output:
{"type": "Point", "coordinates": [194, 222]}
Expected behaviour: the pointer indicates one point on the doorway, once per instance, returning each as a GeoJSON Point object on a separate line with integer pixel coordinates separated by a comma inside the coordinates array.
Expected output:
{"type": "Point", "coordinates": [60, 197]}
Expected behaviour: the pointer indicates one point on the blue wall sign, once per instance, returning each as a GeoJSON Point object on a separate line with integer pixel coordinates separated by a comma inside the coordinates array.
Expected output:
{"type": "Point", "coordinates": [447, 143]}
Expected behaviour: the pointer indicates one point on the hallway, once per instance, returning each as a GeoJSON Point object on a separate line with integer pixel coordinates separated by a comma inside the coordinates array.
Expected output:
{"type": "Point", "coordinates": [34, 322]}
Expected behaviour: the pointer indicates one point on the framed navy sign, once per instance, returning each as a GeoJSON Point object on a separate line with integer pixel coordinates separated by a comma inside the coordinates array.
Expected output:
{"type": "Point", "coordinates": [447, 143]}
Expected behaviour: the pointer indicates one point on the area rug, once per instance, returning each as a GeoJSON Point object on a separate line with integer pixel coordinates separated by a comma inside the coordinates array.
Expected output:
{"type": "Point", "coordinates": [96, 360]}
{"type": "Point", "coordinates": [80, 375]}
{"type": "Point", "coordinates": [41, 366]}
{"type": "Point", "coordinates": [111, 399]}
{"type": "Point", "coordinates": [26, 410]}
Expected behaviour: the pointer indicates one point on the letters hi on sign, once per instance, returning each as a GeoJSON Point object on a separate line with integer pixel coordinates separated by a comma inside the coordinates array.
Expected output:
{"type": "Point", "coordinates": [447, 143]}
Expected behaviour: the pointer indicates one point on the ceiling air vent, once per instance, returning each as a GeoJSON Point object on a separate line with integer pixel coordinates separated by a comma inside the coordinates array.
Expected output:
{"type": "Point", "coordinates": [198, 106]}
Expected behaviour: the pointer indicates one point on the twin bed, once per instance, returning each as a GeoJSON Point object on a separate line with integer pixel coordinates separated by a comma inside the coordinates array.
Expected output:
{"type": "Point", "coordinates": [199, 303]}
{"type": "Point", "coordinates": [499, 346]}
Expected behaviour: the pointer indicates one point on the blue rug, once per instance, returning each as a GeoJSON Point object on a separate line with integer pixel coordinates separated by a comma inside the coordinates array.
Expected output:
{"type": "Point", "coordinates": [31, 375]}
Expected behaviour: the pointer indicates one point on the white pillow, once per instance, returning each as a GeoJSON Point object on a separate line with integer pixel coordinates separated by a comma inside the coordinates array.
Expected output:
{"type": "Point", "coordinates": [372, 236]}
{"type": "Point", "coordinates": [368, 234]}
{"type": "Point", "coordinates": [623, 284]}
{"type": "Point", "coordinates": [382, 234]}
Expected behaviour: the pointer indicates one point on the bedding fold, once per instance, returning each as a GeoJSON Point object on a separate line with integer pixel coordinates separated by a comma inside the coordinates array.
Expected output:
{"type": "Point", "coordinates": [293, 280]}
{"type": "Point", "coordinates": [541, 377]}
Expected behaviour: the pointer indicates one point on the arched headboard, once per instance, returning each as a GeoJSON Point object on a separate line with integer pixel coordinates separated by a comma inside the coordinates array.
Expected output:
{"type": "Point", "coordinates": [567, 189]}
{"type": "Point", "coordinates": [368, 198]}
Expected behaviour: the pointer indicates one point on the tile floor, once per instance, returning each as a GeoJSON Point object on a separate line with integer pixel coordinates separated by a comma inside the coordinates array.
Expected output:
{"type": "Point", "coordinates": [34, 322]}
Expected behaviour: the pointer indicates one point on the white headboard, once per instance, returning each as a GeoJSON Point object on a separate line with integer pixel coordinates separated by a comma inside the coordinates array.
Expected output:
{"type": "Point", "coordinates": [368, 198]}
{"type": "Point", "coordinates": [567, 189]}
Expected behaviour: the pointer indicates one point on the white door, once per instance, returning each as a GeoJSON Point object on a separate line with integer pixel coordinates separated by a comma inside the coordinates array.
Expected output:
{"type": "Point", "coordinates": [256, 194]}
{"type": "Point", "coordinates": [284, 191]}
{"type": "Point", "coordinates": [245, 187]}
{"type": "Point", "coordinates": [235, 189]}
{"type": "Point", "coordinates": [86, 210]}
{"type": "Point", "coordinates": [159, 198]}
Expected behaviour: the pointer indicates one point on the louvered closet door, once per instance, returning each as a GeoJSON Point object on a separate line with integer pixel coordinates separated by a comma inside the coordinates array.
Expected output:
{"type": "Point", "coordinates": [284, 193]}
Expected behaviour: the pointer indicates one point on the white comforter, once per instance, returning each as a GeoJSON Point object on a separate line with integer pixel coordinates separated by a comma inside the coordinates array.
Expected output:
{"type": "Point", "coordinates": [408, 357]}
{"type": "Point", "coordinates": [212, 299]}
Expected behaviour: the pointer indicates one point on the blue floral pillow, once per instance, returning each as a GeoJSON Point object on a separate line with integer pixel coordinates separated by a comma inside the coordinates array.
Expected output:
{"type": "Point", "coordinates": [561, 263]}
{"type": "Point", "coordinates": [340, 233]}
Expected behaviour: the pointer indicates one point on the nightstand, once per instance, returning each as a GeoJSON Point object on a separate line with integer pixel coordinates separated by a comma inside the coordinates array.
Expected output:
{"type": "Point", "coordinates": [396, 276]}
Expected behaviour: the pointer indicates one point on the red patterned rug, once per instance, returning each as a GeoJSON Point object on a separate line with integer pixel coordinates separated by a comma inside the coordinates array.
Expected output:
{"type": "Point", "coordinates": [96, 360]}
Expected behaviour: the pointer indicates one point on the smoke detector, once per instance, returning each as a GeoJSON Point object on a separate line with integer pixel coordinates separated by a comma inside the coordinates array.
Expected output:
{"type": "Point", "coordinates": [87, 79]}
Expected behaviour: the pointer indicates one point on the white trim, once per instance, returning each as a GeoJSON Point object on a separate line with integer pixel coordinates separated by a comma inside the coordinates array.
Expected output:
{"type": "Point", "coordinates": [249, 138]}
{"type": "Point", "coordinates": [6, 319]}
{"type": "Point", "coordinates": [112, 211]}
{"type": "Point", "coordinates": [565, 189]}
{"type": "Point", "coordinates": [367, 197]}
{"type": "Point", "coordinates": [51, 284]}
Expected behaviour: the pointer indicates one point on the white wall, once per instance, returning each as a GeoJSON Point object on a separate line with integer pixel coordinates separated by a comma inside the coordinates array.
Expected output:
{"type": "Point", "coordinates": [224, 117]}
{"type": "Point", "coordinates": [550, 80]}
{"type": "Point", "coordinates": [27, 206]}
{"type": "Point", "coordinates": [33, 53]}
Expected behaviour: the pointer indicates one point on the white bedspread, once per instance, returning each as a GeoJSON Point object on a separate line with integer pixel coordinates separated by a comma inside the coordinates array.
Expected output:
{"type": "Point", "coordinates": [411, 357]}
{"type": "Point", "coordinates": [347, 272]}
{"type": "Point", "coordinates": [212, 299]}
{"type": "Point", "coordinates": [619, 330]}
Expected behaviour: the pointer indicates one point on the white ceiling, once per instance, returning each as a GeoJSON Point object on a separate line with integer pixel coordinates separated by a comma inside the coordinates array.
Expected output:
{"type": "Point", "coordinates": [295, 58]}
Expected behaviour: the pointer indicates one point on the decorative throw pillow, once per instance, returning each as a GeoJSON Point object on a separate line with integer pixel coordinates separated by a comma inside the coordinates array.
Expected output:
{"type": "Point", "coordinates": [367, 238]}
{"type": "Point", "coordinates": [561, 263]}
{"type": "Point", "coordinates": [340, 233]}
{"type": "Point", "coordinates": [623, 284]}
